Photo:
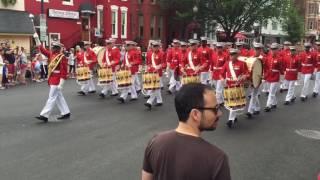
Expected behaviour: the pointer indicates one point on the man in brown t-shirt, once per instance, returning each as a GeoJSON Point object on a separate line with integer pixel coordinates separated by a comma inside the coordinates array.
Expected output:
{"type": "Point", "coordinates": [181, 154]}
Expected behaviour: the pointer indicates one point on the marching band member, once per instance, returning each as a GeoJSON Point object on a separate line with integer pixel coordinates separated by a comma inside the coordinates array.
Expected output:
{"type": "Point", "coordinates": [173, 59]}
{"type": "Point", "coordinates": [272, 69]}
{"type": "Point", "coordinates": [243, 51]}
{"type": "Point", "coordinates": [191, 65]}
{"type": "Point", "coordinates": [291, 68]}
{"type": "Point", "coordinates": [219, 58]}
{"type": "Point", "coordinates": [137, 82]}
{"type": "Point", "coordinates": [235, 72]}
{"type": "Point", "coordinates": [308, 64]}
{"type": "Point", "coordinates": [317, 72]}
{"type": "Point", "coordinates": [89, 59]}
{"type": "Point", "coordinates": [111, 59]}
{"type": "Point", "coordinates": [155, 63]}
{"type": "Point", "coordinates": [57, 73]}
{"type": "Point", "coordinates": [206, 55]}
{"type": "Point", "coordinates": [284, 53]}
{"type": "Point", "coordinates": [254, 104]}
{"type": "Point", "coordinates": [131, 62]}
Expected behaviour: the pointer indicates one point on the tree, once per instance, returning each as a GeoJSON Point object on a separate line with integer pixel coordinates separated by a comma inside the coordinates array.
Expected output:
{"type": "Point", "coordinates": [293, 25]}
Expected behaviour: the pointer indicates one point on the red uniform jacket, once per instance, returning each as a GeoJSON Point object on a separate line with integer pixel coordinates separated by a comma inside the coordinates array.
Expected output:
{"type": "Point", "coordinates": [196, 59]}
{"type": "Point", "coordinates": [318, 61]}
{"type": "Point", "coordinates": [90, 56]}
{"type": "Point", "coordinates": [291, 67]}
{"type": "Point", "coordinates": [308, 62]}
{"type": "Point", "coordinates": [240, 69]}
{"type": "Point", "coordinates": [158, 60]}
{"type": "Point", "coordinates": [206, 55]}
{"type": "Point", "coordinates": [272, 68]}
{"type": "Point", "coordinates": [173, 57]}
{"type": "Point", "coordinates": [218, 61]}
{"type": "Point", "coordinates": [113, 55]}
{"type": "Point", "coordinates": [61, 70]}
{"type": "Point", "coordinates": [132, 58]}
{"type": "Point", "coordinates": [244, 52]}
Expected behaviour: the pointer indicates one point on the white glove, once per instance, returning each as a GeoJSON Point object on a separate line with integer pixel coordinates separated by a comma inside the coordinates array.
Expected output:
{"type": "Point", "coordinates": [36, 39]}
{"type": "Point", "coordinates": [60, 86]}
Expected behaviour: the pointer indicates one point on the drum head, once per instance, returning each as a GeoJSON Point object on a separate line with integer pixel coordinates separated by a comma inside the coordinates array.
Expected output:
{"type": "Point", "coordinates": [99, 51]}
{"type": "Point", "coordinates": [256, 73]}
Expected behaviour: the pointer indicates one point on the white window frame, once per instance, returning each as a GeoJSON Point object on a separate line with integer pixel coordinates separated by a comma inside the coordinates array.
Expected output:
{"type": "Point", "coordinates": [124, 10]}
{"type": "Point", "coordinates": [99, 8]}
{"type": "Point", "coordinates": [114, 9]}
{"type": "Point", "coordinates": [67, 3]}
{"type": "Point", "coordinates": [50, 40]}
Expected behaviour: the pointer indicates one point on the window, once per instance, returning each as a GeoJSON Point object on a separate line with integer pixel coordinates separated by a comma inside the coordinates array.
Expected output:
{"type": "Point", "coordinates": [160, 28]}
{"type": "Point", "coordinates": [152, 26]}
{"type": "Point", "coordinates": [67, 2]}
{"type": "Point", "coordinates": [114, 21]}
{"type": "Point", "coordinates": [124, 21]}
{"type": "Point", "coordinates": [141, 25]}
{"type": "Point", "coordinates": [274, 25]}
{"type": "Point", "coordinates": [100, 17]}
{"type": "Point", "coordinates": [265, 24]}
{"type": "Point", "coordinates": [311, 24]}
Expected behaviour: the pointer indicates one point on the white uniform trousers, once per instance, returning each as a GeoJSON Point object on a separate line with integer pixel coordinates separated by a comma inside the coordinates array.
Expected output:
{"type": "Point", "coordinates": [317, 83]}
{"type": "Point", "coordinates": [205, 77]}
{"type": "Point", "coordinates": [55, 97]}
{"type": "Point", "coordinates": [132, 89]}
{"type": "Point", "coordinates": [90, 86]}
{"type": "Point", "coordinates": [111, 87]}
{"type": "Point", "coordinates": [136, 82]}
{"type": "Point", "coordinates": [284, 84]}
{"type": "Point", "coordinates": [172, 80]}
{"type": "Point", "coordinates": [233, 113]}
{"type": "Point", "coordinates": [291, 88]}
{"type": "Point", "coordinates": [306, 84]}
{"type": "Point", "coordinates": [265, 87]}
{"type": "Point", "coordinates": [155, 95]}
{"type": "Point", "coordinates": [219, 86]}
{"type": "Point", "coordinates": [272, 98]}
{"type": "Point", "coordinates": [254, 104]}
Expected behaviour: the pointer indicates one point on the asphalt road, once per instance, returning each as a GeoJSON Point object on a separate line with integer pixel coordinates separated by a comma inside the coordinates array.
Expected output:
{"type": "Point", "coordinates": [106, 140]}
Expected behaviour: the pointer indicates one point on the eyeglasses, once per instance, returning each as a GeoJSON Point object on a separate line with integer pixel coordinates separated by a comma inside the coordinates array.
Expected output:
{"type": "Point", "coordinates": [214, 109]}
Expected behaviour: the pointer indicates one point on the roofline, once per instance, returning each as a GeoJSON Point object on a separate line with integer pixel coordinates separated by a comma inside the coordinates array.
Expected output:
{"type": "Point", "coordinates": [15, 34]}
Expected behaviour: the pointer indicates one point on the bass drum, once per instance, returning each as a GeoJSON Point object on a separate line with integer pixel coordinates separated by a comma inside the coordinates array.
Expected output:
{"type": "Point", "coordinates": [99, 51]}
{"type": "Point", "coordinates": [255, 67]}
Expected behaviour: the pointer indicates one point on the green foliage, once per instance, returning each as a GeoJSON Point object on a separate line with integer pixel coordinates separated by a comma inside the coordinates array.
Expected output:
{"type": "Point", "coordinates": [293, 25]}
{"type": "Point", "coordinates": [8, 2]}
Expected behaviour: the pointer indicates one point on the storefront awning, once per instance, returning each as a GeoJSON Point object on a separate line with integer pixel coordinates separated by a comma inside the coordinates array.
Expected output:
{"type": "Point", "coordinates": [15, 22]}
{"type": "Point", "coordinates": [87, 8]}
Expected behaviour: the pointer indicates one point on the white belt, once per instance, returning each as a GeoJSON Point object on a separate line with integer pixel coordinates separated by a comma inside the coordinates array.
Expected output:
{"type": "Point", "coordinates": [288, 69]}
{"type": "Point", "coordinates": [229, 79]}
{"type": "Point", "coordinates": [274, 70]}
{"type": "Point", "coordinates": [56, 71]}
{"type": "Point", "coordinates": [307, 64]}
{"type": "Point", "coordinates": [217, 68]}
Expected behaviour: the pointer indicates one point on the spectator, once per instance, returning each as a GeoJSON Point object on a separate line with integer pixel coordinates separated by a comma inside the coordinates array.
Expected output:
{"type": "Point", "coordinates": [10, 57]}
{"type": "Point", "coordinates": [36, 68]}
{"type": "Point", "coordinates": [181, 153]}
{"type": "Point", "coordinates": [44, 67]}
{"type": "Point", "coordinates": [21, 65]}
{"type": "Point", "coordinates": [71, 62]}
{"type": "Point", "coordinates": [2, 68]}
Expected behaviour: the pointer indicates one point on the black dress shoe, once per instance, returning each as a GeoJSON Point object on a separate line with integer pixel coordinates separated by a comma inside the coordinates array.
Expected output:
{"type": "Point", "coordinates": [314, 94]}
{"type": "Point", "coordinates": [115, 94]}
{"type": "Point", "coordinates": [267, 94]}
{"type": "Point", "coordinates": [249, 115]}
{"type": "Point", "coordinates": [91, 92]}
{"type": "Point", "coordinates": [267, 109]}
{"type": "Point", "coordinates": [256, 112]}
{"type": "Point", "coordinates": [303, 99]}
{"type": "Point", "coordinates": [149, 106]}
{"type": "Point", "coordinates": [281, 90]}
{"type": "Point", "coordinates": [230, 124]}
{"type": "Point", "coordinates": [81, 93]}
{"type": "Point", "coordinates": [169, 92]}
{"type": "Point", "coordinates": [42, 118]}
{"type": "Point", "coordinates": [138, 91]}
{"type": "Point", "coordinates": [133, 99]}
{"type": "Point", "coordinates": [236, 120]}
{"type": "Point", "coordinates": [158, 104]}
{"type": "Point", "coordinates": [221, 104]}
{"type": "Point", "coordinates": [293, 99]}
{"type": "Point", "coordinates": [286, 103]}
{"type": "Point", "coordinates": [66, 116]}
{"type": "Point", "coordinates": [121, 99]}
{"type": "Point", "coordinates": [273, 106]}
{"type": "Point", "coordinates": [102, 95]}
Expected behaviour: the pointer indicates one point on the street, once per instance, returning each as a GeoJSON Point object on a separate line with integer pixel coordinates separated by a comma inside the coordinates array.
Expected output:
{"type": "Point", "coordinates": [106, 140]}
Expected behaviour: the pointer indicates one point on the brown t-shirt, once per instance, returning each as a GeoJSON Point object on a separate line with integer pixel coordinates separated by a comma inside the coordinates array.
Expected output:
{"type": "Point", "coordinates": [174, 156]}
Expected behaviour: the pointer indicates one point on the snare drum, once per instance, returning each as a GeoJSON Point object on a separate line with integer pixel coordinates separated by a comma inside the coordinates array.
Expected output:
{"type": "Point", "coordinates": [83, 74]}
{"type": "Point", "coordinates": [124, 78]}
{"type": "Point", "coordinates": [151, 81]}
{"type": "Point", "coordinates": [105, 76]}
{"type": "Point", "coordinates": [234, 97]}
{"type": "Point", "coordinates": [190, 79]}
